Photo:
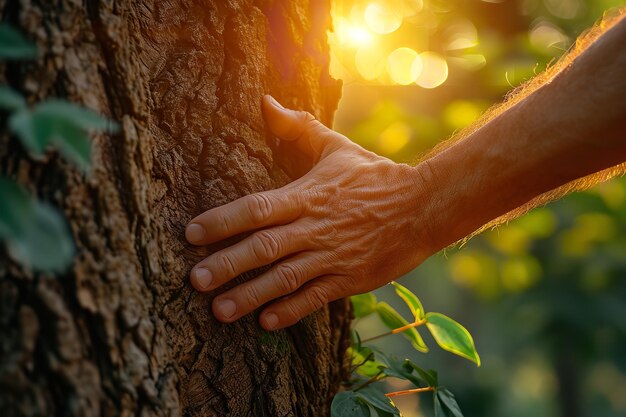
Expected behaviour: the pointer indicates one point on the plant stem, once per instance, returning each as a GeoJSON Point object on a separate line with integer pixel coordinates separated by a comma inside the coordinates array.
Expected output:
{"type": "Point", "coordinates": [410, 391]}
{"type": "Point", "coordinates": [398, 330]}
{"type": "Point", "coordinates": [369, 357]}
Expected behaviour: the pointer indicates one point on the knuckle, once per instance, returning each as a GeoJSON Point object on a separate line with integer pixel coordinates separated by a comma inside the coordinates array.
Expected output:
{"type": "Point", "coordinates": [224, 224]}
{"type": "Point", "coordinates": [292, 313]}
{"type": "Point", "coordinates": [348, 284]}
{"type": "Point", "coordinates": [267, 246]}
{"type": "Point", "coordinates": [309, 125]}
{"type": "Point", "coordinates": [251, 296]}
{"type": "Point", "coordinates": [260, 208]}
{"type": "Point", "coordinates": [317, 297]}
{"type": "Point", "coordinates": [305, 117]}
{"type": "Point", "coordinates": [227, 265]}
{"type": "Point", "coordinates": [302, 126]}
{"type": "Point", "coordinates": [289, 278]}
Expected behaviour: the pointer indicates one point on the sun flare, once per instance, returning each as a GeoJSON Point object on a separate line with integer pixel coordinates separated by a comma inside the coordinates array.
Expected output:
{"type": "Point", "coordinates": [380, 42]}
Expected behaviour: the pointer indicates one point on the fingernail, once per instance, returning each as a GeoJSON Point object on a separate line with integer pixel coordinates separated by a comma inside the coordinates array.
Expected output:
{"type": "Point", "coordinates": [271, 320]}
{"type": "Point", "coordinates": [202, 277]}
{"type": "Point", "coordinates": [227, 308]}
{"type": "Point", "coordinates": [276, 103]}
{"type": "Point", "coordinates": [195, 233]}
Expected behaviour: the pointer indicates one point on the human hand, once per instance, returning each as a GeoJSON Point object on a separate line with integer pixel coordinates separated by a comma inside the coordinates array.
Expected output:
{"type": "Point", "coordinates": [346, 227]}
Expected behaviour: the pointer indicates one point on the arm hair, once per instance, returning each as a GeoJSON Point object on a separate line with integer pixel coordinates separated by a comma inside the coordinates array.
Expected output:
{"type": "Point", "coordinates": [610, 19]}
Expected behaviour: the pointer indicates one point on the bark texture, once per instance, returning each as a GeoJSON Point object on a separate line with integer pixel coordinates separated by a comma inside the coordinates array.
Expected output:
{"type": "Point", "coordinates": [123, 333]}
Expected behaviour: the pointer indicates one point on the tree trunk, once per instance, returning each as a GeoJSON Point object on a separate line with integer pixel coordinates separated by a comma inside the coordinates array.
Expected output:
{"type": "Point", "coordinates": [123, 333]}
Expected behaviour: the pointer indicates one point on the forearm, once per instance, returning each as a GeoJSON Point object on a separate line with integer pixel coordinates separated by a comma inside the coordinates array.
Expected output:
{"type": "Point", "coordinates": [573, 124]}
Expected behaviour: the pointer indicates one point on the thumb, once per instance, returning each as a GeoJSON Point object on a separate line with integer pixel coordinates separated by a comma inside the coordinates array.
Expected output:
{"type": "Point", "coordinates": [300, 127]}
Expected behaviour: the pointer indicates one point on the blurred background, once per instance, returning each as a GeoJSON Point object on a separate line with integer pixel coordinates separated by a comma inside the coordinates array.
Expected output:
{"type": "Point", "coordinates": [544, 296]}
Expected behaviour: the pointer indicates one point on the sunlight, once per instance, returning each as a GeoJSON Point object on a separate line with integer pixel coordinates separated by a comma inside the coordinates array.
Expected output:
{"type": "Point", "coordinates": [434, 72]}
{"type": "Point", "coordinates": [374, 41]}
{"type": "Point", "coordinates": [350, 34]}
{"type": "Point", "coordinates": [382, 19]}
{"type": "Point", "coordinates": [370, 61]}
{"type": "Point", "coordinates": [404, 65]}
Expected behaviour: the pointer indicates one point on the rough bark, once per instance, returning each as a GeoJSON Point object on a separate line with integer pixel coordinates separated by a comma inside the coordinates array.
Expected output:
{"type": "Point", "coordinates": [123, 333]}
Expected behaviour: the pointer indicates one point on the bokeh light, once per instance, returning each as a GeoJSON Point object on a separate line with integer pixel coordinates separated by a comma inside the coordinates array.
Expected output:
{"type": "Point", "coordinates": [434, 70]}
{"type": "Point", "coordinates": [520, 273]}
{"type": "Point", "coordinates": [350, 34]}
{"type": "Point", "coordinates": [394, 138]}
{"type": "Point", "coordinates": [547, 283]}
{"type": "Point", "coordinates": [370, 61]}
{"type": "Point", "coordinates": [544, 35]}
{"type": "Point", "coordinates": [404, 65]}
{"type": "Point", "coordinates": [469, 62]}
{"type": "Point", "coordinates": [374, 41]}
{"type": "Point", "coordinates": [564, 9]}
{"type": "Point", "coordinates": [382, 19]}
{"type": "Point", "coordinates": [460, 34]}
{"type": "Point", "coordinates": [461, 113]}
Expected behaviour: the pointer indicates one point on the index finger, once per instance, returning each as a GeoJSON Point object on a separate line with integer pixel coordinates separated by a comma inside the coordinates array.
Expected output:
{"type": "Point", "coordinates": [246, 214]}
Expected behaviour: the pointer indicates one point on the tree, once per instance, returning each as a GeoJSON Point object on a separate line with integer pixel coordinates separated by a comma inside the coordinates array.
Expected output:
{"type": "Point", "coordinates": [122, 332]}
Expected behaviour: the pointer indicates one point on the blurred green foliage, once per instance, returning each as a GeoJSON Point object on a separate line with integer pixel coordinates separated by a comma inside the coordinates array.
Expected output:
{"type": "Point", "coordinates": [34, 233]}
{"type": "Point", "coordinates": [545, 295]}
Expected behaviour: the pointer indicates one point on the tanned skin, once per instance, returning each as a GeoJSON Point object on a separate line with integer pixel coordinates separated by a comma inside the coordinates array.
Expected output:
{"type": "Point", "coordinates": [357, 220]}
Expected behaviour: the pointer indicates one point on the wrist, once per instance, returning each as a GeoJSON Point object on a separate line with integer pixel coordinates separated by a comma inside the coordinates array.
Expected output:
{"type": "Point", "coordinates": [427, 216]}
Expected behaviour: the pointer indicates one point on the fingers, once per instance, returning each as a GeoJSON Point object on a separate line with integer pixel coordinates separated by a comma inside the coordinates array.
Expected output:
{"type": "Point", "coordinates": [310, 298]}
{"type": "Point", "coordinates": [246, 214]}
{"type": "Point", "coordinates": [260, 249]}
{"type": "Point", "coordinates": [281, 280]}
{"type": "Point", "coordinates": [311, 136]}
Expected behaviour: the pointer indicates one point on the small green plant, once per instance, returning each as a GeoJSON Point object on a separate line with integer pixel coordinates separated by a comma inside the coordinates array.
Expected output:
{"type": "Point", "coordinates": [34, 232]}
{"type": "Point", "coordinates": [370, 365]}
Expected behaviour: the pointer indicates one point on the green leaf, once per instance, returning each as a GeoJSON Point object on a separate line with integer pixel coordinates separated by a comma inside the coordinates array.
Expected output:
{"type": "Point", "coordinates": [10, 99]}
{"type": "Point", "coordinates": [62, 124]}
{"type": "Point", "coordinates": [347, 404]}
{"type": "Point", "coordinates": [394, 320]}
{"type": "Point", "coordinates": [21, 123]}
{"type": "Point", "coordinates": [66, 125]}
{"type": "Point", "coordinates": [378, 400]}
{"type": "Point", "coordinates": [430, 377]}
{"type": "Point", "coordinates": [363, 304]}
{"type": "Point", "coordinates": [449, 402]}
{"type": "Point", "coordinates": [13, 45]}
{"type": "Point", "coordinates": [365, 362]}
{"type": "Point", "coordinates": [451, 336]}
{"type": "Point", "coordinates": [382, 413]}
{"type": "Point", "coordinates": [440, 409]}
{"type": "Point", "coordinates": [77, 116]}
{"type": "Point", "coordinates": [35, 233]}
{"type": "Point", "coordinates": [410, 299]}
{"type": "Point", "coordinates": [74, 143]}
{"type": "Point", "coordinates": [397, 368]}
{"type": "Point", "coordinates": [15, 209]}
